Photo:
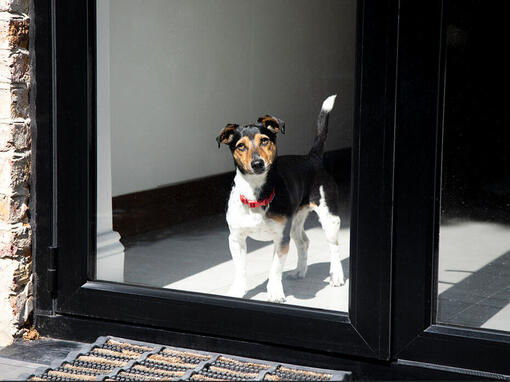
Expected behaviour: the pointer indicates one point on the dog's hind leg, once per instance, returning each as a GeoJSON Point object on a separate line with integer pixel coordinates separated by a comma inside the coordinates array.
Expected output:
{"type": "Point", "coordinates": [331, 226]}
{"type": "Point", "coordinates": [274, 284]}
{"type": "Point", "coordinates": [237, 244]}
{"type": "Point", "coordinates": [297, 233]}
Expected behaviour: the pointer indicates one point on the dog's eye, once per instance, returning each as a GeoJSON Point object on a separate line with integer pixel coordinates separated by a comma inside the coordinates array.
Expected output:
{"type": "Point", "coordinates": [264, 141]}
{"type": "Point", "coordinates": [241, 147]}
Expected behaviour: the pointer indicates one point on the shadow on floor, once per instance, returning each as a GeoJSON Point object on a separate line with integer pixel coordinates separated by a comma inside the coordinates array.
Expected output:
{"type": "Point", "coordinates": [317, 273]}
{"type": "Point", "coordinates": [478, 297]}
{"type": "Point", "coordinates": [165, 256]}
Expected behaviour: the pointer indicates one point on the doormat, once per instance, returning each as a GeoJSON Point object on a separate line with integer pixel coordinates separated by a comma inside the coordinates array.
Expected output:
{"type": "Point", "coordinates": [119, 359]}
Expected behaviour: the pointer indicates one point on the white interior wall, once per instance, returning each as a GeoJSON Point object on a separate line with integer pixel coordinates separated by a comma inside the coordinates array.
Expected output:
{"type": "Point", "coordinates": [181, 69]}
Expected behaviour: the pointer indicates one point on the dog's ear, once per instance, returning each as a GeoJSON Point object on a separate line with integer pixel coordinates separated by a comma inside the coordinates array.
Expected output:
{"type": "Point", "coordinates": [227, 134]}
{"type": "Point", "coordinates": [273, 124]}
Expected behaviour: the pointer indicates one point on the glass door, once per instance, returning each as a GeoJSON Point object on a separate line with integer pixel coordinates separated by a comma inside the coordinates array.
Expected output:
{"type": "Point", "coordinates": [452, 275]}
{"type": "Point", "coordinates": [151, 224]}
{"type": "Point", "coordinates": [171, 75]}
{"type": "Point", "coordinates": [474, 239]}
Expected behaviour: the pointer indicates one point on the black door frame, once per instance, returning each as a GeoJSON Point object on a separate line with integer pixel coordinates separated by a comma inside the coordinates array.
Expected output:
{"type": "Point", "coordinates": [60, 212]}
{"type": "Point", "coordinates": [417, 338]}
{"type": "Point", "coordinates": [66, 132]}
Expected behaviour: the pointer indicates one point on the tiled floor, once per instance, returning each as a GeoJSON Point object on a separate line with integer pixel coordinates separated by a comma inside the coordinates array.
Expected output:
{"type": "Point", "coordinates": [14, 370]}
{"type": "Point", "coordinates": [195, 257]}
{"type": "Point", "coordinates": [21, 359]}
{"type": "Point", "coordinates": [474, 274]}
{"type": "Point", "coordinates": [474, 267]}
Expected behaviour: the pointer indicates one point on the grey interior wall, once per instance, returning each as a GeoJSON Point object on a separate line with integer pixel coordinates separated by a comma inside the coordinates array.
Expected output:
{"type": "Point", "coordinates": [182, 69]}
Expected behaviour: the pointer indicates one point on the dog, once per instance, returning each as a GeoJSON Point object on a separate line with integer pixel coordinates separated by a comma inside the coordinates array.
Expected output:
{"type": "Point", "coordinates": [272, 196]}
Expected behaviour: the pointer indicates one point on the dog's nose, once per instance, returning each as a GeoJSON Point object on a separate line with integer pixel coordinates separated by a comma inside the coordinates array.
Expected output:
{"type": "Point", "coordinates": [257, 165]}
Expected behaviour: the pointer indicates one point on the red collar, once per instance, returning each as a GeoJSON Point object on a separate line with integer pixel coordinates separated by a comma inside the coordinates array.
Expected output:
{"type": "Point", "coordinates": [257, 203]}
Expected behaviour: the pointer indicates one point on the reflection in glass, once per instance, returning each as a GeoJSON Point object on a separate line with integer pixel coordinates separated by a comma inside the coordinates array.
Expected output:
{"type": "Point", "coordinates": [474, 247]}
{"type": "Point", "coordinates": [171, 75]}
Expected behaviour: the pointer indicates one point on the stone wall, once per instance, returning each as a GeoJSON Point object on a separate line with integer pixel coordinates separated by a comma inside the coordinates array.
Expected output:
{"type": "Point", "coordinates": [16, 301]}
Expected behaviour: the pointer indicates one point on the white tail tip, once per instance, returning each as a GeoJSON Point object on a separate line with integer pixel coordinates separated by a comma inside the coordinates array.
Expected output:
{"type": "Point", "coordinates": [328, 104]}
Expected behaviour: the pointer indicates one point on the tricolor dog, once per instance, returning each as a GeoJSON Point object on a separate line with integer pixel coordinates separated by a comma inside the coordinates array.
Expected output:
{"type": "Point", "coordinates": [272, 196]}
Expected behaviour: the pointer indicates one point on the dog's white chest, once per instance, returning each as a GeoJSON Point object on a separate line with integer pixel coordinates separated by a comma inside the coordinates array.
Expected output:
{"type": "Point", "coordinates": [252, 222]}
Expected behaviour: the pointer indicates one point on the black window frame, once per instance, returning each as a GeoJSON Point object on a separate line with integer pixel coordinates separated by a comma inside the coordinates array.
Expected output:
{"type": "Point", "coordinates": [65, 173]}
{"type": "Point", "coordinates": [417, 339]}
{"type": "Point", "coordinates": [399, 106]}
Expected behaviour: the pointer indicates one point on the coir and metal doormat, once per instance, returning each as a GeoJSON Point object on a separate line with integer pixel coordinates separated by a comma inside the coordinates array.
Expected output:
{"type": "Point", "coordinates": [119, 359]}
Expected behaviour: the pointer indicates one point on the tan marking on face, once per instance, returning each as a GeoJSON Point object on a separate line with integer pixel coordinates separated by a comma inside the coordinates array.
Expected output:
{"type": "Point", "coordinates": [284, 248]}
{"type": "Point", "coordinates": [243, 157]}
{"type": "Point", "coordinates": [266, 151]}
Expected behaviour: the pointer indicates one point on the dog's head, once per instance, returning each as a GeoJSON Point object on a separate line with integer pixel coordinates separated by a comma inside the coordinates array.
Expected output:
{"type": "Point", "coordinates": [253, 146]}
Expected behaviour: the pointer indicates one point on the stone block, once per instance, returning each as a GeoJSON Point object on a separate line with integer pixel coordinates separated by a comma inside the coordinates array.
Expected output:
{"type": "Point", "coordinates": [14, 172]}
{"type": "Point", "coordinates": [7, 319]}
{"type": "Point", "coordinates": [22, 303]}
{"type": "Point", "coordinates": [5, 102]}
{"type": "Point", "coordinates": [15, 241]}
{"type": "Point", "coordinates": [13, 209]}
{"type": "Point", "coordinates": [15, 6]}
{"type": "Point", "coordinates": [15, 136]}
{"type": "Point", "coordinates": [20, 104]}
{"type": "Point", "coordinates": [17, 34]}
{"type": "Point", "coordinates": [19, 67]}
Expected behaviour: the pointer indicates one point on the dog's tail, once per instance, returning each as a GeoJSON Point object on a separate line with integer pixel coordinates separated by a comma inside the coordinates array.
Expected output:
{"type": "Point", "coordinates": [322, 127]}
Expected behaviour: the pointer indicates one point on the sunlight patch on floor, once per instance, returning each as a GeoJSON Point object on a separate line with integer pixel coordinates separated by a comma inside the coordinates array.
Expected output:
{"type": "Point", "coordinates": [466, 246]}
{"type": "Point", "coordinates": [312, 291]}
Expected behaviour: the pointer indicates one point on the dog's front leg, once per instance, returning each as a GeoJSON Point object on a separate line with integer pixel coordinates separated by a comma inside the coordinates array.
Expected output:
{"type": "Point", "coordinates": [237, 244]}
{"type": "Point", "coordinates": [274, 284]}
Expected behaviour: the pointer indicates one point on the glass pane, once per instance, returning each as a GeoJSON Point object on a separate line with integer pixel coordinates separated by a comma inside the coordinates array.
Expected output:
{"type": "Point", "coordinates": [199, 102]}
{"type": "Point", "coordinates": [474, 249]}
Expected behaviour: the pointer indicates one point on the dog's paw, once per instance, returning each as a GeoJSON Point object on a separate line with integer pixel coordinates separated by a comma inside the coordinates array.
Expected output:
{"type": "Point", "coordinates": [275, 292]}
{"type": "Point", "coordinates": [336, 279]}
{"type": "Point", "coordinates": [279, 299]}
{"type": "Point", "coordinates": [298, 273]}
{"type": "Point", "coordinates": [238, 289]}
